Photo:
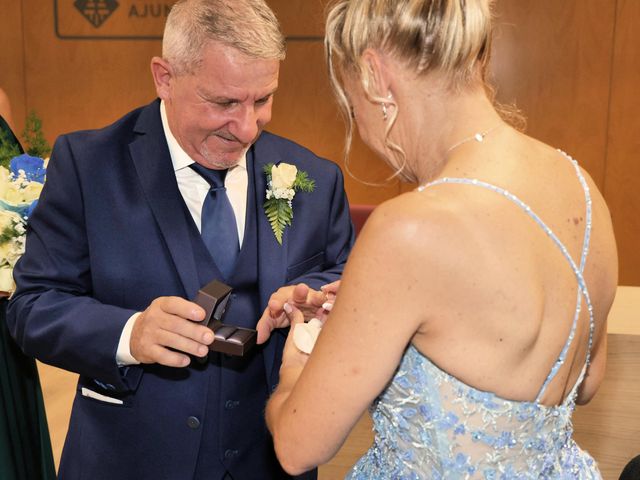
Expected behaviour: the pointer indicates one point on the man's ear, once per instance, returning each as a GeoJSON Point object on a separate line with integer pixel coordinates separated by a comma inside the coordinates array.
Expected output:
{"type": "Point", "coordinates": [162, 74]}
{"type": "Point", "coordinates": [377, 71]}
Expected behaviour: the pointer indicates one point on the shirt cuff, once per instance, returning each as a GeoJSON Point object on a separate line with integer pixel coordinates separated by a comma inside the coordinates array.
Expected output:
{"type": "Point", "coordinates": [123, 355]}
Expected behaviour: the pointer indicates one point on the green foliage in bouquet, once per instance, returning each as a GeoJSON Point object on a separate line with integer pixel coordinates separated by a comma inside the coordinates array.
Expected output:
{"type": "Point", "coordinates": [35, 143]}
{"type": "Point", "coordinates": [8, 148]}
{"type": "Point", "coordinates": [11, 231]}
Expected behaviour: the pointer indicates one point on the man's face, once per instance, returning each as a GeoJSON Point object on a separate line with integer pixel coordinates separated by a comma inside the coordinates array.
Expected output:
{"type": "Point", "coordinates": [217, 112]}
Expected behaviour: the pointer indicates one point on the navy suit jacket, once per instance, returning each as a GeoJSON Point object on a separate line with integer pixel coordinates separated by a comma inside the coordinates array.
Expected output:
{"type": "Point", "coordinates": [110, 235]}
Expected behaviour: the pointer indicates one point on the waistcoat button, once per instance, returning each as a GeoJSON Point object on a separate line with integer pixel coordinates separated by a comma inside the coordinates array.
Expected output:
{"type": "Point", "coordinates": [230, 453]}
{"type": "Point", "coordinates": [193, 422]}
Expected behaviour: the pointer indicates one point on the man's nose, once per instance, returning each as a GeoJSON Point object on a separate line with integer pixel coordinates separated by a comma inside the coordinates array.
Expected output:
{"type": "Point", "coordinates": [248, 124]}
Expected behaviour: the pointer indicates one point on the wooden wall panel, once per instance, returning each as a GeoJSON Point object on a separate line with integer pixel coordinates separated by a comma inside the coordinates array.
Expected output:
{"type": "Point", "coordinates": [553, 59]}
{"type": "Point", "coordinates": [12, 59]}
{"type": "Point", "coordinates": [622, 181]}
{"type": "Point", "coordinates": [300, 18]}
{"type": "Point", "coordinates": [77, 84]}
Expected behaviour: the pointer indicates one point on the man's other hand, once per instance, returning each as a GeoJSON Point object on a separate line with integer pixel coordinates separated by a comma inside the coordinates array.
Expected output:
{"type": "Point", "coordinates": [166, 329]}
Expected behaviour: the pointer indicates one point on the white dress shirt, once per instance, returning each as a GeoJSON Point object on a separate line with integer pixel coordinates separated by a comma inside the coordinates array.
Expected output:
{"type": "Point", "coordinates": [194, 190]}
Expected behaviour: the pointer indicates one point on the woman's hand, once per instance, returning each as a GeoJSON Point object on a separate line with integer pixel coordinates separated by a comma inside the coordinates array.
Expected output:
{"type": "Point", "coordinates": [330, 292]}
{"type": "Point", "coordinates": [309, 301]}
{"type": "Point", "coordinates": [293, 360]}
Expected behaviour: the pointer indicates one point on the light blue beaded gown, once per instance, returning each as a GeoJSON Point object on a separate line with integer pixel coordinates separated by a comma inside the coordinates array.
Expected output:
{"type": "Point", "coordinates": [430, 425]}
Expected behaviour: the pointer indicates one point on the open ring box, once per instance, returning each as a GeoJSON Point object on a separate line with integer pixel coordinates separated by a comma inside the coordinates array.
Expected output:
{"type": "Point", "coordinates": [214, 298]}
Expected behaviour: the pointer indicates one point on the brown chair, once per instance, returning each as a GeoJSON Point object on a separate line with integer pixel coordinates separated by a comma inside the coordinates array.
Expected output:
{"type": "Point", "coordinates": [359, 214]}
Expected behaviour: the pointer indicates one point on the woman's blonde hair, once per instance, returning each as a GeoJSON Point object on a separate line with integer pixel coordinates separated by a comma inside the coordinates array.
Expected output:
{"type": "Point", "coordinates": [249, 26]}
{"type": "Point", "coordinates": [451, 37]}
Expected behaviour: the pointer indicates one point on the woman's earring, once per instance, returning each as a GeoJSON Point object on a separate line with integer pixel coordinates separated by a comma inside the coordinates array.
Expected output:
{"type": "Point", "coordinates": [385, 114]}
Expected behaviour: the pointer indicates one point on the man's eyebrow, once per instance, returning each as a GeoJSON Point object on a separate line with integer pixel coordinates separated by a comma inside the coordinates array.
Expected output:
{"type": "Point", "coordinates": [267, 96]}
{"type": "Point", "coordinates": [224, 99]}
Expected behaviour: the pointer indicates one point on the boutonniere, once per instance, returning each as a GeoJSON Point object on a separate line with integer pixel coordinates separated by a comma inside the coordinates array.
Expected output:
{"type": "Point", "coordinates": [283, 181]}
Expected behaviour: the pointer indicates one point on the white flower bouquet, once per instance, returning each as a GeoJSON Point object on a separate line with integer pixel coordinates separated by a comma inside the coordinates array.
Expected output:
{"type": "Point", "coordinates": [21, 180]}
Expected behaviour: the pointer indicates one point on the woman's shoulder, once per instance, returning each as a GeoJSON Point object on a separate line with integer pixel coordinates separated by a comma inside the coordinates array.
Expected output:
{"type": "Point", "coordinates": [420, 207]}
{"type": "Point", "coordinates": [417, 227]}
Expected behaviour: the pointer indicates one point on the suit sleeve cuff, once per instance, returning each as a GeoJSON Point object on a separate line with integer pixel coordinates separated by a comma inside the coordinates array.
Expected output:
{"type": "Point", "coordinates": [123, 354]}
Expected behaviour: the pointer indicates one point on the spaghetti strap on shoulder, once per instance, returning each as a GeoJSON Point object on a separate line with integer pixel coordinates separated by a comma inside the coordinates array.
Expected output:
{"type": "Point", "coordinates": [577, 269]}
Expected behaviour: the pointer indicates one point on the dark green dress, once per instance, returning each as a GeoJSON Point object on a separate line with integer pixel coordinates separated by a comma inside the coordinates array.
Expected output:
{"type": "Point", "coordinates": [25, 446]}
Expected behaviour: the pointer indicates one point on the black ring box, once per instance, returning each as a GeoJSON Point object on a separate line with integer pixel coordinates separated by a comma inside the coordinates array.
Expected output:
{"type": "Point", "coordinates": [214, 298]}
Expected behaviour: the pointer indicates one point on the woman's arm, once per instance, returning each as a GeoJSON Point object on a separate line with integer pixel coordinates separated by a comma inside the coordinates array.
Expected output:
{"type": "Point", "coordinates": [319, 400]}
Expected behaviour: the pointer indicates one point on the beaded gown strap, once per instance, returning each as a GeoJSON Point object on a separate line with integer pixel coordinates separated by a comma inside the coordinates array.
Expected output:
{"type": "Point", "coordinates": [583, 259]}
{"type": "Point", "coordinates": [577, 270]}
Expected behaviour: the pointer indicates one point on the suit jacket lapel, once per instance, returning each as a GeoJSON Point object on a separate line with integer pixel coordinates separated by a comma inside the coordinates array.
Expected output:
{"type": "Point", "coordinates": [152, 161]}
{"type": "Point", "coordinates": [272, 257]}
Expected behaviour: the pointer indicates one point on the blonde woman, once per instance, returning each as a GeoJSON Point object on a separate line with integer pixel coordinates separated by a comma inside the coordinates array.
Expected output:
{"type": "Point", "coordinates": [472, 311]}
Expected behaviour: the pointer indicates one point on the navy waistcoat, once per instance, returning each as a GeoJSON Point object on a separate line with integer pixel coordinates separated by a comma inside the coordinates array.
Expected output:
{"type": "Point", "coordinates": [235, 439]}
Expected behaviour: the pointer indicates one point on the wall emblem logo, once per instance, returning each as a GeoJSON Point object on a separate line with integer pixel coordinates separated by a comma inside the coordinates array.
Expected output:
{"type": "Point", "coordinates": [96, 11]}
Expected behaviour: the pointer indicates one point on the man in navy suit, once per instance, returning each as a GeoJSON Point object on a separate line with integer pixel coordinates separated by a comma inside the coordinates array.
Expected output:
{"type": "Point", "coordinates": [114, 254]}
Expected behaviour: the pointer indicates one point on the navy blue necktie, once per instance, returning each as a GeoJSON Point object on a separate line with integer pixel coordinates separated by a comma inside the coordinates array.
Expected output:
{"type": "Point", "coordinates": [219, 230]}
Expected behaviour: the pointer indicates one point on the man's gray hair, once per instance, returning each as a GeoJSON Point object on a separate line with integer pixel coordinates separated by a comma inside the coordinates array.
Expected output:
{"type": "Point", "coordinates": [249, 26]}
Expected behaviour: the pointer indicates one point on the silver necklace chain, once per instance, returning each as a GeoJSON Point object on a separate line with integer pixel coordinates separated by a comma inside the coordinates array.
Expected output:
{"type": "Point", "coordinates": [478, 137]}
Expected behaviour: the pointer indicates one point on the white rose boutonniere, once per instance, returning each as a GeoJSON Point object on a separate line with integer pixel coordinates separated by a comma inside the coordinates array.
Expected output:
{"type": "Point", "coordinates": [283, 181]}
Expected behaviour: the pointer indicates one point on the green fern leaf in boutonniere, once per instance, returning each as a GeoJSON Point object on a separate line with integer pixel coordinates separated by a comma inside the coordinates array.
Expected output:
{"type": "Point", "coordinates": [283, 181]}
